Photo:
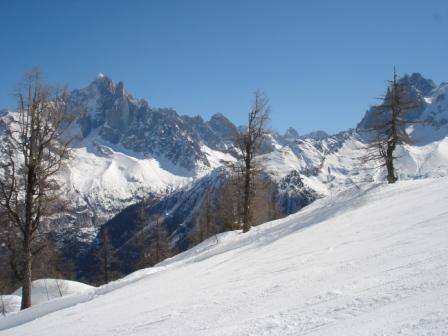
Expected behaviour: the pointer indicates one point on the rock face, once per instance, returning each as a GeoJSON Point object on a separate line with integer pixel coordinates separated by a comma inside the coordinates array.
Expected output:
{"type": "Point", "coordinates": [120, 119]}
{"type": "Point", "coordinates": [217, 133]}
{"type": "Point", "coordinates": [422, 85]}
{"type": "Point", "coordinates": [294, 194]}
{"type": "Point", "coordinates": [437, 112]}
{"type": "Point", "coordinates": [291, 135]}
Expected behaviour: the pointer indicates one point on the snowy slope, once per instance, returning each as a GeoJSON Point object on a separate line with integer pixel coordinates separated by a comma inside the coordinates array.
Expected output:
{"type": "Point", "coordinates": [369, 262]}
{"type": "Point", "coordinates": [9, 304]}
{"type": "Point", "coordinates": [44, 291]}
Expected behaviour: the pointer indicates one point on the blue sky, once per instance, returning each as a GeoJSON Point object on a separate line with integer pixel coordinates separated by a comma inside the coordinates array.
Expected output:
{"type": "Point", "coordinates": [322, 63]}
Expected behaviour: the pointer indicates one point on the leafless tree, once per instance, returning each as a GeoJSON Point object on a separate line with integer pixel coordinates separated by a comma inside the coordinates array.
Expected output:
{"type": "Point", "coordinates": [140, 241]}
{"type": "Point", "coordinates": [265, 204]}
{"type": "Point", "coordinates": [34, 151]}
{"type": "Point", "coordinates": [390, 126]}
{"type": "Point", "coordinates": [249, 142]}
{"type": "Point", "coordinates": [226, 213]}
{"type": "Point", "coordinates": [150, 243]}
{"type": "Point", "coordinates": [205, 224]}
{"type": "Point", "coordinates": [159, 247]}
{"type": "Point", "coordinates": [105, 256]}
{"type": "Point", "coordinates": [3, 305]}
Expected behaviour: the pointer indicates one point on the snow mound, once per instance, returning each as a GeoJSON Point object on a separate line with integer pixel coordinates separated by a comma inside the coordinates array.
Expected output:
{"type": "Point", "coordinates": [47, 296]}
{"type": "Point", "coordinates": [45, 290]}
{"type": "Point", "coordinates": [369, 262]}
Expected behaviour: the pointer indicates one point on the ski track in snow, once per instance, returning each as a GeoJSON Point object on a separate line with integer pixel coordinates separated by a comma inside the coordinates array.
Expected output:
{"type": "Point", "coordinates": [354, 265]}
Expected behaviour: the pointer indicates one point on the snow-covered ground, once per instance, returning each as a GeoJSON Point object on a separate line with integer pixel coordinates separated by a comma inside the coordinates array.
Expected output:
{"type": "Point", "coordinates": [44, 291]}
{"type": "Point", "coordinates": [365, 262]}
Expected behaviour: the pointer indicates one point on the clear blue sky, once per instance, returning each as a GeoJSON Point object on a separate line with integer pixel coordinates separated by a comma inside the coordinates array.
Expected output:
{"type": "Point", "coordinates": [322, 63]}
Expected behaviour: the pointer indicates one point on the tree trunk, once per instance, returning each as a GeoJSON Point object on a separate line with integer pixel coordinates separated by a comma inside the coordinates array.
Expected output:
{"type": "Point", "coordinates": [26, 278]}
{"type": "Point", "coordinates": [391, 178]}
{"type": "Point", "coordinates": [246, 210]}
{"type": "Point", "coordinates": [28, 257]}
{"type": "Point", "coordinates": [106, 266]}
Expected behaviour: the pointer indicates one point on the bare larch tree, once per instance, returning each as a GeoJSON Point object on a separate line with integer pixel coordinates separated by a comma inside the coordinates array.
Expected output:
{"type": "Point", "coordinates": [205, 224]}
{"type": "Point", "coordinates": [33, 152]}
{"type": "Point", "coordinates": [140, 241]}
{"type": "Point", "coordinates": [249, 143]}
{"type": "Point", "coordinates": [105, 257]}
{"type": "Point", "coordinates": [159, 247]}
{"type": "Point", "coordinates": [390, 126]}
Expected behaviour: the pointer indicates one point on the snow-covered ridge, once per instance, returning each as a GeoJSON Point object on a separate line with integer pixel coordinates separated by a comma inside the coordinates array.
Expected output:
{"type": "Point", "coordinates": [365, 262]}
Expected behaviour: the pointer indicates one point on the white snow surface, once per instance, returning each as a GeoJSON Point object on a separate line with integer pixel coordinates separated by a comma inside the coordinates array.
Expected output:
{"type": "Point", "coordinates": [9, 304]}
{"type": "Point", "coordinates": [44, 291]}
{"type": "Point", "coordinates": [366, 262]}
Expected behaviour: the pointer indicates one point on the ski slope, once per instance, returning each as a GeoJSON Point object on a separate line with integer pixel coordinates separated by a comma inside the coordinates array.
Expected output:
{"type": "Point", "coordinates": [365, 262]}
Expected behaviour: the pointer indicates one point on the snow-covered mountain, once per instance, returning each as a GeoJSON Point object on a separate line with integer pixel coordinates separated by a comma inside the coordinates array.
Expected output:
{"type": "Point", "coordinates": [369, 261]}
{"type": "Point", "coordinates": [119, 119]}
{"type": "Point", "coordinates": [128, 150]}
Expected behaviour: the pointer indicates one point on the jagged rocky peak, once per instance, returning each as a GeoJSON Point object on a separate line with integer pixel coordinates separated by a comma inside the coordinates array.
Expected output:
{"type": "Point", "coordinates": [222, 126]}
{"type": "Point", "coordinates": [291, 134]}
{"type": "Point", "coordinates": [219, 118]}
{"type": "Point", "coordinates": [107, 107]}
{"type": "Point", "coordinates": [420, 83]}
{"type": "Point", "coordinates": [437, 112]}
{"type": "Point", "coordinates": [120, 91]}
{"type": "Point", "coordinates": [101, 102]}
{"type": "Point", "coordinates": [217, 133]}
{"type": "Point", "coordinates": [316, 135]}
{"type": "Point", "coordinates": [104, 83]}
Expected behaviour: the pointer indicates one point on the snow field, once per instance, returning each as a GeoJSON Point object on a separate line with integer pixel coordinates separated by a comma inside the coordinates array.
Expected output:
{"type": "Point", "coordinates": [369, 262]}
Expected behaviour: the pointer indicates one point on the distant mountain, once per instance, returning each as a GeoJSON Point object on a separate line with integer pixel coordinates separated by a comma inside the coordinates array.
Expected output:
{"type": "Point", "coordinates": [128, 150]}
{"type": "Point", "coordinates": [417, 88]}
{"type": "Point", "coordinates": [118, 118]}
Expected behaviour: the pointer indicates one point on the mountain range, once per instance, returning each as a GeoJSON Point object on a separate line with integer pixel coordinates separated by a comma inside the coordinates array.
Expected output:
{"type": "Point", "coordinates": [128, 151]}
